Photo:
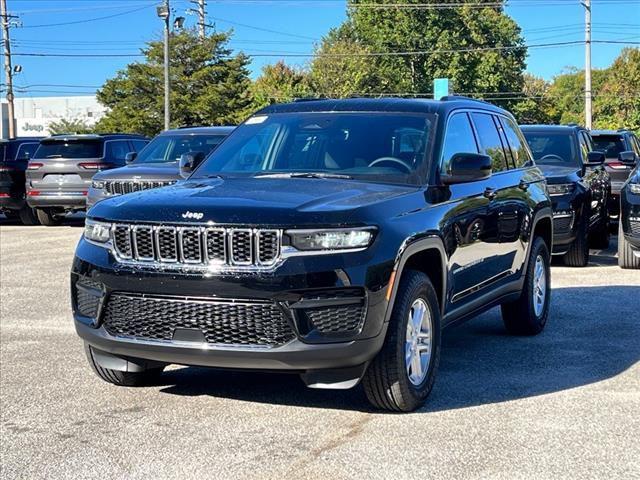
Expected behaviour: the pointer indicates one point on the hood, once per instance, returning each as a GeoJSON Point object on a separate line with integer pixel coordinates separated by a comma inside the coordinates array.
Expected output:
{"type": "Point", "coordinates": [144, 171]}
{"type": "Point", "coordinates": [560, 174]}
{"type": "Point", "coordinates": [251, 201]}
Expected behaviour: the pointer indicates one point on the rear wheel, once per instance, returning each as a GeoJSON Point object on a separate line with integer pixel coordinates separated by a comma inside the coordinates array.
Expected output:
{"type": "Point", "coordinates": [578, 254]}
{"type": "Point", "coordinates": [28, 216]}
{"type": "Point", "coordinates": [528, 315]}
{"type": "Point", "coordinates": [401, 376]}
{"type": "Point", "coordinates": [626, 257]}
{"type": "Point", "coordinates": [49, 217]}
{"type": "Point", "coordinates": [123, 379]}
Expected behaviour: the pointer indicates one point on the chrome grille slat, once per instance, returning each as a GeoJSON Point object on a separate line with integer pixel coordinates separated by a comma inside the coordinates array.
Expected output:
{"type": "Point", "coordinates": [120, 187]}
{"type": "Point", "coordinates": [242, 248]}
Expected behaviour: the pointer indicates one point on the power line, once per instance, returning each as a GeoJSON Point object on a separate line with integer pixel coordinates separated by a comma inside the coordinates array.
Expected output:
{"type": "Point", "coordinates": [87, 20]}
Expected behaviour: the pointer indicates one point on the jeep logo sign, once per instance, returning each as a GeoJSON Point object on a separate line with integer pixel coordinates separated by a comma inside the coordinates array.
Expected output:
{"type": "Point", "coordinates": [193, 215]}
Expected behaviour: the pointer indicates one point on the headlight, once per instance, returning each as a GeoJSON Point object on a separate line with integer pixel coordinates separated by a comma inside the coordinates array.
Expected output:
{"type": "Point", "coordinates": [560, 188]}
{"type": "Point", "coordinates": [99, 184]}
{"type": "Point", "coordinates": [97, 231]}
{"type": "Point", "coordinates": [634, 188]}
{"type": "Point", "coordinates": [331, 239]}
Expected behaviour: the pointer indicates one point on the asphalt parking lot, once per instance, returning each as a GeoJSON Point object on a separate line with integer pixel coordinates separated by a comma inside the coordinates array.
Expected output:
{"type": "Point", "coordinates": [561, 405]}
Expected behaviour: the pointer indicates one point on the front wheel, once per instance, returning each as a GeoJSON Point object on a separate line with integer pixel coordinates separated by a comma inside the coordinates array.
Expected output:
{"type": "Point", "coordinates": [578, 254]}
{"type": "Point", "coordinates": [401, 376]}
{"type": "Point", "coordinates": [123, 379]}
{"type": "Point", "coordinates": [626, 256]}
{"type": "Point", "coordinates": [28, 216]}
{"type": "Point", "coordinates": [48, 217]}
{"type": "Point", "coordinates": [528, 314]}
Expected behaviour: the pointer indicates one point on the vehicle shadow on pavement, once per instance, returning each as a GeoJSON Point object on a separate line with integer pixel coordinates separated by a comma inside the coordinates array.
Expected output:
{"type": "Point", "coordinates": [592, 335]}
{"type": "Point", "coordinates": [73, 220]}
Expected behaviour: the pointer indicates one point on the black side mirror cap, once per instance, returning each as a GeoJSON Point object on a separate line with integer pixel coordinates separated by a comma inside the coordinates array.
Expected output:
{"type": "Point", "coordinates": [595, 158]}
{"type": "Point", "coordinates": [130, 157]}
{"type": "Point", "coordinates": [628, 158]}
{"type": "Point", "coordinates": [467, 167]}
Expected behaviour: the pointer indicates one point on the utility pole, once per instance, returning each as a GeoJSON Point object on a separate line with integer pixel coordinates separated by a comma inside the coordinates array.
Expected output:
{"type": "Point", "coordinates": [7, 65]}
{"type": "Point", "coordinates": [587, 65]}
{"type": "Point", "coordinates": [202, 16]}
{"type": "Point", "coordinates": [164, 12]}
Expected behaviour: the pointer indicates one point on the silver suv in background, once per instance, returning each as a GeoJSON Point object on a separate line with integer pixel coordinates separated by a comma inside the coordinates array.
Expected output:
{"type": "Point", "coordinates": [158, 164]}
{"type": "Point", "coordinates": [59, 174]}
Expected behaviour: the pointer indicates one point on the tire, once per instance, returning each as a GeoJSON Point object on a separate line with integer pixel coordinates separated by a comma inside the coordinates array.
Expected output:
{"type": "Point", "coordinates": [48, 217]}
{"type": "Point", "coordinates": [122, 379]}
{"type": "Point", "coordinates": [578, 254]}
{"type": "Point", "coordinates": [522, 317]}
{"type": "Point", "coordinates": [626, 257]}
{"type": "Point", "coordinates": [387, 382]}
{"type": "Point", "coordinates": [11, 214]}
{"type": "Point", "coordinates": [28, 216]}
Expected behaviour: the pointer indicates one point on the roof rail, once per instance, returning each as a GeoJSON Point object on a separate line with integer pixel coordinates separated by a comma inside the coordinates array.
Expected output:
{"type": "Point", "coordinates": [450, 98]}
{"type": "Point", "coordinates": [309, 99]}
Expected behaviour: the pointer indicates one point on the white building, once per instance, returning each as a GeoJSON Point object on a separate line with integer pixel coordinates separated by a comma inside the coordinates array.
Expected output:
{"type": "Point", "coordinates": [34, 114]}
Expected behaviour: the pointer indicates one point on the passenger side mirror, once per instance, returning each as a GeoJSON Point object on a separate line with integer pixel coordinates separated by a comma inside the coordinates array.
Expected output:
{"type": "Point", "coordinates": [628, 158]}
{"type": "Point", "coordinates": [467, 167]}
{"type": "Point", "coordinates": [130, 157]}
{"type": "Point", "coordinates": [595, 158]}
{"type": "Point", "coordinates": [189, 161]}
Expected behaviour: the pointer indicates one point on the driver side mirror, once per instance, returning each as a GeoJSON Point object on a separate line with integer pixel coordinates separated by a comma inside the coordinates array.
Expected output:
{"type": "Point", "coordinates": [628, 158]}
{"type": "Point", "coordinates": [467, 167]}
{"type": "Point", "coordinates": [595, 158]}
{"type": "Point", "coordinates": [130, 157]}
{"type": "Point", "coordinates": [188, 162]}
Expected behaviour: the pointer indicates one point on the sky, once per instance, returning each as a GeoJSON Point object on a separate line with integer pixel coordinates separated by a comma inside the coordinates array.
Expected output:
{"type": "Point", "coordinates": [262, 28]}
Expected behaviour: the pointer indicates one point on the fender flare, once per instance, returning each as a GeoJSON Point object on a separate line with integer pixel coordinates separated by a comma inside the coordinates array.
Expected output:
{"type": "Point", "coordinates": [545, 212]}
{"type": "Point", "coordinates": [409, 248]}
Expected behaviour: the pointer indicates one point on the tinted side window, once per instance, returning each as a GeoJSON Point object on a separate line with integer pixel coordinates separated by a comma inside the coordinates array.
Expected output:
{"type": "Point", "coordinates": [635, 144]}
{"type": "Point", "coordinates": [459, 138]}
{"type": "Point", "coordinates": [584, 147]}
{"type": "Point", "coordinates": [517, 144]}
{"type": "Point", "coordinates": [117, 150]}
{"type": "Point", "coordinates": [139, 144]}
{"type": "Point", "coordinates": [489, 138]}
{"type": "Point", "coordinates": [26, 151]}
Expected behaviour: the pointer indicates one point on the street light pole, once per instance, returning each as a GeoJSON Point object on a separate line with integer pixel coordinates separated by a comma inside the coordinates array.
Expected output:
{"type": "Point", "coordinates": [165, 13]}
{"type": "Point", "coordinates": [587, 65]}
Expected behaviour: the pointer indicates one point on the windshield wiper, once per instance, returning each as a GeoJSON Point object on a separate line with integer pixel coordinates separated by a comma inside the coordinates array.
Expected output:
{"type": "Point", "coordinates": [305, 175]}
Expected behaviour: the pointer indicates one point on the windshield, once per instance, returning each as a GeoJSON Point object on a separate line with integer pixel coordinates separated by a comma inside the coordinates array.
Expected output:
{"type": "Point", "coordinates": [553, 148]}
{"type": "Point", "coordinates": [387, 147]}
{"type": "Point", "coordinates": [169, 148]}
{"type": "Point", "coordinates": [69, 149]}
{"type": "Point", "coordinates": [611, 145]}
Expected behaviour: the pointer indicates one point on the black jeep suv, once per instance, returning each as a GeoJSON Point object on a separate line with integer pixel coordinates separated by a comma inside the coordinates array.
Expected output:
{"type": "Point", "coordinates": [332, 239]}
{"type": "Point", "coordinates": [14, 157]}
{"type": "Point", "coordinates": [629, 228]}
{"type": "Point", "coordinates": [579, 187]}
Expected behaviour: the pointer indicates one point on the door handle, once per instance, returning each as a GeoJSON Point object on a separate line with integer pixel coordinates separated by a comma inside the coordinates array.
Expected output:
{"type": "Point", "coordinates": [523, 185]}
{"type": "Point", "coordinates": [490, 193]}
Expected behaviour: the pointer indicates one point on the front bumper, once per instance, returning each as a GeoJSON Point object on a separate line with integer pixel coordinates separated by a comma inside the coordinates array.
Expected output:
{"type": "Point", "coordinates": [306, 351]}
{"type": "Point", "coordinates": [66, 200]}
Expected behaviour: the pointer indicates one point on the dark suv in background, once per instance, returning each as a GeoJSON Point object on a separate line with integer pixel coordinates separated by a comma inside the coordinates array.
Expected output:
{"type": "Point", "coordinates": [579, 187]}
{"type": "Point", "coordinates": [622, 151]}
{"type": "Point", "coordinates": [158, 164]}
{"type": "Point", "coordinates": [14, 157]}
{"type": "Point", "coordinates": [332, 239]}
{"type": "Point", "coordinates": [629, 228]}
{"type": "Point", "coordinates": [59, 174]}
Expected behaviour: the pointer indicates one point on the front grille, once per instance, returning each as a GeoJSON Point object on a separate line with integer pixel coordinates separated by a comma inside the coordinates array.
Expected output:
{"type": "Point", "coordinates": [120, 187]}
{"type": "Point", "coordinates": [221, 322]}
{"type": "Point", "coordinates": [241, 247]}
{"type": "Point", "coordinates": [634, 227]}
{"type": "Point", "coordinates": [562, 224]}
{"type": "Point", "coordinates": [88, 295]}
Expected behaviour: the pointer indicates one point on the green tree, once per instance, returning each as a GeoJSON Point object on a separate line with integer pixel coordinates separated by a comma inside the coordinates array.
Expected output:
{"type": "Point", "coordinates": [279, 83]}
{"type": "Point", "coordinates": [536, 105]}
{"type": "Point", "coordinates": [69, 125]}
{"type": "Point", "coordinates": [393, 33]}
{"type": "Point", "coordinates": [617, 102]}
{"type": "Point", "coordinates": [209, 86]}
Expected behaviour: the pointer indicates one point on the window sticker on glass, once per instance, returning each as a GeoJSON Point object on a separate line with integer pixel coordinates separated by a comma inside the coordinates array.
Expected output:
{"type": "Point", "coordinates": [256, 120]}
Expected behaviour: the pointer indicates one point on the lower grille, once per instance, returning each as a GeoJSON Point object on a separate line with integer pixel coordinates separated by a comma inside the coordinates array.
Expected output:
{"type": "Point", "coordinates": [315, 312]}
{"type": "Point", "coordinates": [562, 224]}
{"type": "Point", "coordinates": [88, 295]}
{"type": "Point", "coordinates": [336, 319]}
{"type": "Point", "coordinates": [221, 322]}
{"type": "Point", "coordinates": [119, 187]}
{"type": "Point", "coordinates": [634, 227]}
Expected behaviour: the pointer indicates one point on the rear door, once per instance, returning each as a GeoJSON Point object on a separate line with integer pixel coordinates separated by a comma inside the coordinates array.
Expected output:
{"type": "Point", "coordinates": [65, 165]}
